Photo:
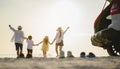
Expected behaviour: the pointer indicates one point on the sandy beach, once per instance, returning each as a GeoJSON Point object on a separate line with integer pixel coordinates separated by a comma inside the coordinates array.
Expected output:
{"type": "Point", "coordinates": [56, 63]}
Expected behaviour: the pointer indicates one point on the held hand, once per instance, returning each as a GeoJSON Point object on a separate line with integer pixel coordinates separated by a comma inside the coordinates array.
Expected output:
{"type": "Point", "coordinates": [37, 44]}
{"type": "Point", "coordinates": [51, 43]}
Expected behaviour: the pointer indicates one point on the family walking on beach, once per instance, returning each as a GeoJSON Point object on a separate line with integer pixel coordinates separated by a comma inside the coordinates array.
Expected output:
{"type": "Point", "coordinates": [19, 37]}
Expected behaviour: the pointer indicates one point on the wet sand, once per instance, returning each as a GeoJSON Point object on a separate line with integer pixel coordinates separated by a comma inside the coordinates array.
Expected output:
{"type": "Point", "coordinates": [56, 63]}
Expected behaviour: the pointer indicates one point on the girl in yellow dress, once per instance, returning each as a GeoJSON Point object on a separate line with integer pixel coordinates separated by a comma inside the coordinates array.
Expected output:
{"type": "Point", "coordinates": [45, 45]}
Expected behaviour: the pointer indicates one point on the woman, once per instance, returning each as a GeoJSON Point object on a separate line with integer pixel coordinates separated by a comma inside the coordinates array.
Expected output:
{"type": "Point", "coordinates": [59, 39]}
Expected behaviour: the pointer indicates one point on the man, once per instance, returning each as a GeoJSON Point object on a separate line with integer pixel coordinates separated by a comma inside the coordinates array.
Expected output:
{"type": "Point", "coordinates": [18, 39]}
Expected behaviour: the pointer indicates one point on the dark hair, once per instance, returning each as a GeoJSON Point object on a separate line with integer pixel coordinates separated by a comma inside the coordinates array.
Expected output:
{"type": "Point", "coordinates": [29, 37]}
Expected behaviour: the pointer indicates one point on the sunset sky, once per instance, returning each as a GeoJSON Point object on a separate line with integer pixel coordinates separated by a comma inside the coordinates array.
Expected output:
{"type": "Point", "coordinates": [42, 17]}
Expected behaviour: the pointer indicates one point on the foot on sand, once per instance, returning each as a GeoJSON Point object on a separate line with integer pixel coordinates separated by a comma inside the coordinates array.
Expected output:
{"type": "Point", "coordinates": [21, 56]}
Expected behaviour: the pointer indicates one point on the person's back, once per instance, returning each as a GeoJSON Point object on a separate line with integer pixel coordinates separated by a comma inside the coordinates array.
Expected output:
{"type": "Point", "coordinates": [19, 36]}
{"type": "Point", "coordinates": [30, 44]}
{"type": "Point", "coordinates": [59, 39]}
{"type": "Point", "coordinates": [29, 47]}
{"type": "Point", "coordinates": [45, 45]}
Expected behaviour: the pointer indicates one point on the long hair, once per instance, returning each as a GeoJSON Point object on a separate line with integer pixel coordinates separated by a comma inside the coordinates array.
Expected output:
{"type": "Point", "coordinates": [46, 40]}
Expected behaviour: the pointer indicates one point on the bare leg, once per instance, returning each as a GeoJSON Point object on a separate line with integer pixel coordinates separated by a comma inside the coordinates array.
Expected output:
{"type": "Point", "coordinates": [56, 50]}
{"type": "Point", "coordinates": [44, 54]}
{"type": "Point", "coordinates": [60, 48]}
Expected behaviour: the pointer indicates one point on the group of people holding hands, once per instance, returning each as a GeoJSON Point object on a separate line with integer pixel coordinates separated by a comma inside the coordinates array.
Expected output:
{"type": "Point", "coordinates": [19, 37]}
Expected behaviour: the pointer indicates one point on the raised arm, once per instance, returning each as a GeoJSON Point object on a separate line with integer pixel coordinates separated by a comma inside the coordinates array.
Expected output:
{"type": "Point", "coordinates": [66, 29]}
{"type": "Point", "coordinates": [11, 28]}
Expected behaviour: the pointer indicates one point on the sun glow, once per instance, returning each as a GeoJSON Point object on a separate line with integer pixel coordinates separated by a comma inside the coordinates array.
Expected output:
{"type": "Point", "coordinates": [42, 17]}
{"type": "Point", "coordinates": [61, 13]}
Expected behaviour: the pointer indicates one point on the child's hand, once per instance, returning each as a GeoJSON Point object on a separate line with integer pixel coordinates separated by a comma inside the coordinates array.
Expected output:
{"type": "Point", "coordinates": [51, 43]}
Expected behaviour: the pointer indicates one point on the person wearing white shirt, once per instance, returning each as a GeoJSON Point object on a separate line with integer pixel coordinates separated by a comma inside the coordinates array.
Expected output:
{"type": "Point", "coordinates": [18, 39]}
{"type": "Point", "coordinates": [59, 39]}
{"type": "Point", "coordinates": [30, 44]}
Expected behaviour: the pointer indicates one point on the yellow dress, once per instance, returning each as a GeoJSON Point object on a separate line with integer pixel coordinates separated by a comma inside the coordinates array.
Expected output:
{"type": "Point", "coordinates": [45, 47]}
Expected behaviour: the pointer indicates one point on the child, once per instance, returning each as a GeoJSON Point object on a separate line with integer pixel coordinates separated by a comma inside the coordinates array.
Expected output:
{"type": "Point", "coordinates": [30, 43]}
{"type": "Point", "coordinates": [45, 45]}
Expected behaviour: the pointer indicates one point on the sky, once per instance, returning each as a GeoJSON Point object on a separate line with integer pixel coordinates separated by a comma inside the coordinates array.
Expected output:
{"type": "Point", "coordinates": [42, 17]}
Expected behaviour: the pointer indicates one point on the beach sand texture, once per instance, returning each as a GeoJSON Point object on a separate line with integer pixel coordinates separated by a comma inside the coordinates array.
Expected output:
{"type": "Point", "coordinates": [56, 63]}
